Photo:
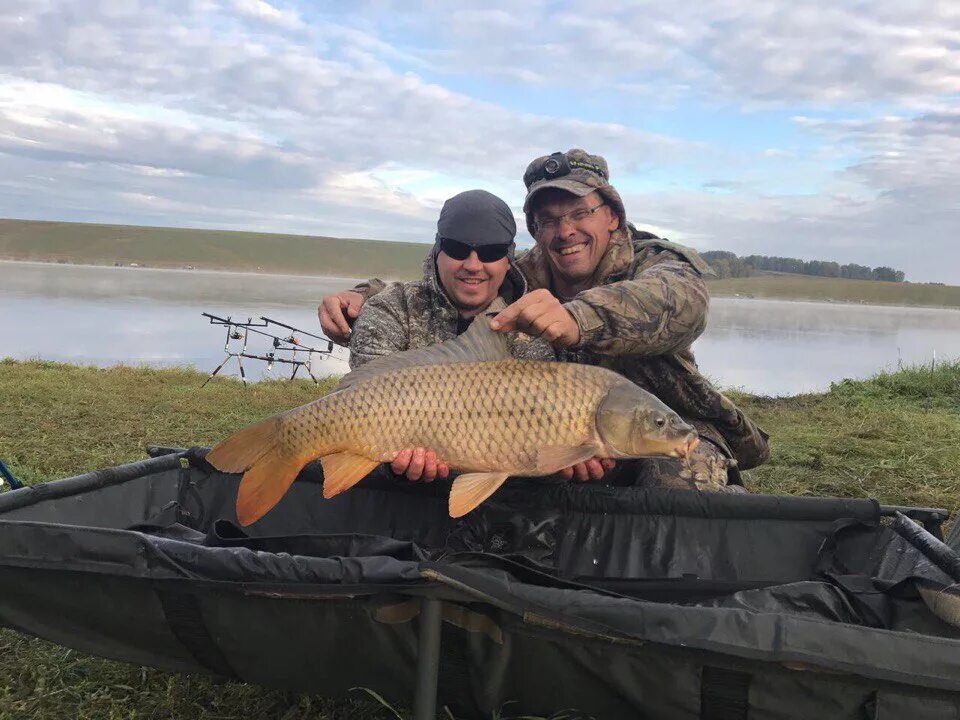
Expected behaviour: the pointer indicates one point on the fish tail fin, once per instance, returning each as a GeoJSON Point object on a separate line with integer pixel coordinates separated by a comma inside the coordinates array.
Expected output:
{"type": "Point", "coordinates": [244, 448]}
{"type": "Point", "coordinates": [471, 489]}
{"type": "Point", "coordinates": [268, 472]}
{"type": "Point", "coordinates": [265, 483]}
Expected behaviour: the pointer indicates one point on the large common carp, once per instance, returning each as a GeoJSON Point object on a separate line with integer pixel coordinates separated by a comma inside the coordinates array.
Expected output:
{"type": "Point", "coordinates": [483, 413]}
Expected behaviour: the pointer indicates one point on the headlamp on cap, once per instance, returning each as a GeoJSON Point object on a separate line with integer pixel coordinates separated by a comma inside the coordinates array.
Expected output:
{"type": "Point", "coordinates": [558, 165]}
{"type": "Point", "coordinates": [553, 167]}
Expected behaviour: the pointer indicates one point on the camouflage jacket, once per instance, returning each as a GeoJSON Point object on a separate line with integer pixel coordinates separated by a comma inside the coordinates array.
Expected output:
{"type": "Point", "coordinates": [647, 305]}
{"type": "Point", "coordinates": [403, 316]}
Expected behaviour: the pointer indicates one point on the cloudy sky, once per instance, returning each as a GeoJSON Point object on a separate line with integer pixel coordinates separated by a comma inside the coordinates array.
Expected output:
{"type": "Point", "coordinates": [811, 129]}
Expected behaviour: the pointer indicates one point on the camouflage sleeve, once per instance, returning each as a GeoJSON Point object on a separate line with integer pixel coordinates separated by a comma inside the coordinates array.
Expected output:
{"type": "Point", "coordinates": [663, 308]}
{"type": "Point", "coordinates": [382, 327]}
{"type": "Point", "coordinates": [369, 288]}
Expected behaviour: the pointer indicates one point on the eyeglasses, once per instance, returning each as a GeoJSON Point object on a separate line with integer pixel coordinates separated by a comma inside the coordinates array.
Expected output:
{"type": "Point", "coordinates": [577, 216]}
{"type": "Point", "coordinates": [485, 253]}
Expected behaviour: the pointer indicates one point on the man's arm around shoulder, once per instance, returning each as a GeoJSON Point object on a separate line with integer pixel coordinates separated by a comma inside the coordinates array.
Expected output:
{"type": "Point", "coordinates": [383, 327]}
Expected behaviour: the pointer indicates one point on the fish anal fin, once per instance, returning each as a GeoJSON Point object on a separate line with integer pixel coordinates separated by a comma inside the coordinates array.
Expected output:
{"type": "Point", "coordinates": [343, 470]}
{"type": "Point", "coordinates": [556, 457]}
{"type": "Point", "coordinates": [245, 447]}
{"type": "Point", "coordinates": [265, 483]}
{"type": "Point", "coordinates": [471, 489]}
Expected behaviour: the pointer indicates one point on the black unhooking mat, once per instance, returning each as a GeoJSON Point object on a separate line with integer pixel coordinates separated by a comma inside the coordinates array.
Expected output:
{"type": "Point", "coordinates": [614, 601]}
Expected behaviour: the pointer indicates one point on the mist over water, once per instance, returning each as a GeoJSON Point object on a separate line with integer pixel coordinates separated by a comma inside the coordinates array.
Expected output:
{"type": "Point", "coordinates": [777, 347]}
{"type": "Point", "coordinates": [142, 316]}
{"type": "Point", "coordinates": [107, 315]}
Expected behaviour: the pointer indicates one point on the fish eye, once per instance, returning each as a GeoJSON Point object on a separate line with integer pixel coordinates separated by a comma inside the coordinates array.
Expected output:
{"type": "Point", "coordinates": [660, 421]}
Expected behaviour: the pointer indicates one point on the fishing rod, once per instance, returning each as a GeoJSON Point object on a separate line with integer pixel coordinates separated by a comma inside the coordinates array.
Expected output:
{"type": "Point", "coordinates": [295, 347]}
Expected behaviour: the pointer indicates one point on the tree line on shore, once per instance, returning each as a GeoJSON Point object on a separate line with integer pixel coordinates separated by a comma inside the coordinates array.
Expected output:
{"type": "Point", "coordinates": [730, 265]}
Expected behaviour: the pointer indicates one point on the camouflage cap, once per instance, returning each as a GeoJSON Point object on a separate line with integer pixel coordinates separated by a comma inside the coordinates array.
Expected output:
{"type": "Point", "coordinates": [576, 172]}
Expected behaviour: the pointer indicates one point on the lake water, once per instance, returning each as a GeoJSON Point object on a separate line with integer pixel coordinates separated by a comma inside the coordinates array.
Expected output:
{"type": "Point", "coordinates": [109, 315]}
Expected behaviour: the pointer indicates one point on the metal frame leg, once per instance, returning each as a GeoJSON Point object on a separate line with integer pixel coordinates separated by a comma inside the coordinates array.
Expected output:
{"type": "Point", "coordinates": [428, 660]}
{"type": "Point", "coordinates": [15, 483]}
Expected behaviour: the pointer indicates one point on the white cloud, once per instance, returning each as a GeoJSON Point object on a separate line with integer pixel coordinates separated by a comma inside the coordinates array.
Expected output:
{"type": "Point", "coordinates": [725, 49]}
{"type": "Point", "coordinates": [249, 114]}
{"type": "Point", "coordinates": [265, 12]}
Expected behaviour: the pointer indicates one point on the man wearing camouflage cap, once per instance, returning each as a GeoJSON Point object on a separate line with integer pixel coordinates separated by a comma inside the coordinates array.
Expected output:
{"type": "Point", "coordinates": [604, 293]}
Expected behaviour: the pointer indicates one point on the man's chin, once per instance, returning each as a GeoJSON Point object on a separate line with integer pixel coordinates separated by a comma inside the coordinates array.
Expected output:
{"type": "Point", "coordinates": [572, 272]}
{"type": "Point", "coordinates": [472, 302]}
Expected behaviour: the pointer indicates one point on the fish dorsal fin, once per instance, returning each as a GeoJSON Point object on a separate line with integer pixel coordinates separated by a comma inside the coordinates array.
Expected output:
{"type": "Point", "coordinates": [478, 344]}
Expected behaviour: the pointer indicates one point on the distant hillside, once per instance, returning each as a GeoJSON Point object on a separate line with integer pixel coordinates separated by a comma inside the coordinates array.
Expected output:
{"type": "Point", "coordinates": [305, 255]}
{"type": "Point", "coordinates": [783, 286]}
{"type": "Point", "coordinates": [210, 249]}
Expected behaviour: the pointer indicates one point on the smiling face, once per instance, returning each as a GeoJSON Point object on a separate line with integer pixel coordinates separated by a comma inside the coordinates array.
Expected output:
{"type": "Point", "coordinates": [470, 284]}
{"type": "Point", "coordinates": [574, 246]}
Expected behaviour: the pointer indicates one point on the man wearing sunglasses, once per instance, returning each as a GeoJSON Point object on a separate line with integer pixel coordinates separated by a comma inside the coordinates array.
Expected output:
{"type": "Point", "coordinates": [469, 270]}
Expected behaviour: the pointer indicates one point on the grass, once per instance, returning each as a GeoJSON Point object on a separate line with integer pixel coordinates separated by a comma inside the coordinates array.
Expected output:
{"type": "Point", "coordinates": [783, 286]}
{"type": "Point", "coordinates": [88, 243]}
{"type": "Point", "coordinates": [893, 437]}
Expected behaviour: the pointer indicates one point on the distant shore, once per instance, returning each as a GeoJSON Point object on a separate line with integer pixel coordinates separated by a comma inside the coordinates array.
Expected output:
{"type": "Point", "coordinates": [194, 270]}
{"type": "Point", "coordinates": [797, 288]}
{"type": "Point", "coordinates": [218, 250]}
{"type": "Point", "coordinates": [222, 251]}
{"type": "Point", "coordinates": [838, 290]}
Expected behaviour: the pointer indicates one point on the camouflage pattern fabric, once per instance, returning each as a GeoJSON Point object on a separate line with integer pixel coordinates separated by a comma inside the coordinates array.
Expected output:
{"type": "Point", "coordinates": [403, 316]}
{"type": "Point", "coordinates": [369, 288]}
{"type": "Point", "coordinates": [708, 469]}
{"type": "Point", "coordinates": [647, 305]}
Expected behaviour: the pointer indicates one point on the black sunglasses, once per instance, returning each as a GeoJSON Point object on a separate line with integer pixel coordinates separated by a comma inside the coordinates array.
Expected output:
{"type": "Point", "coordinates": [485, 253]}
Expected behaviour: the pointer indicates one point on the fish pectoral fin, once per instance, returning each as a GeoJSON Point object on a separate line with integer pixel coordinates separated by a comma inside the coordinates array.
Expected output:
{"type": "Point", "coordinates": [556, 457]}
{"type": "Point", "coordinates": [343, 470]}
{"type": "Point", "coordinates": [471, 489]}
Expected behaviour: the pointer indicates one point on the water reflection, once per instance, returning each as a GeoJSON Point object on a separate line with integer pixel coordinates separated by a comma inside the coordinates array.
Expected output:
{"type": "Point", "coordinates": [104, 316]}
{"type": "Point", "coordinates": [778, 347]}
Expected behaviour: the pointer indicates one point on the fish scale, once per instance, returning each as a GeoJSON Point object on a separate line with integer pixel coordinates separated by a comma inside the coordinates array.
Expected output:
{"type": "Point", "coordinates": [482, 416]}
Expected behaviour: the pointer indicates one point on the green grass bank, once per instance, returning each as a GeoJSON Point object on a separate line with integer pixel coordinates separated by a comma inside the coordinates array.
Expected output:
{"type": "Point", "coordinates": [893, 437]}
